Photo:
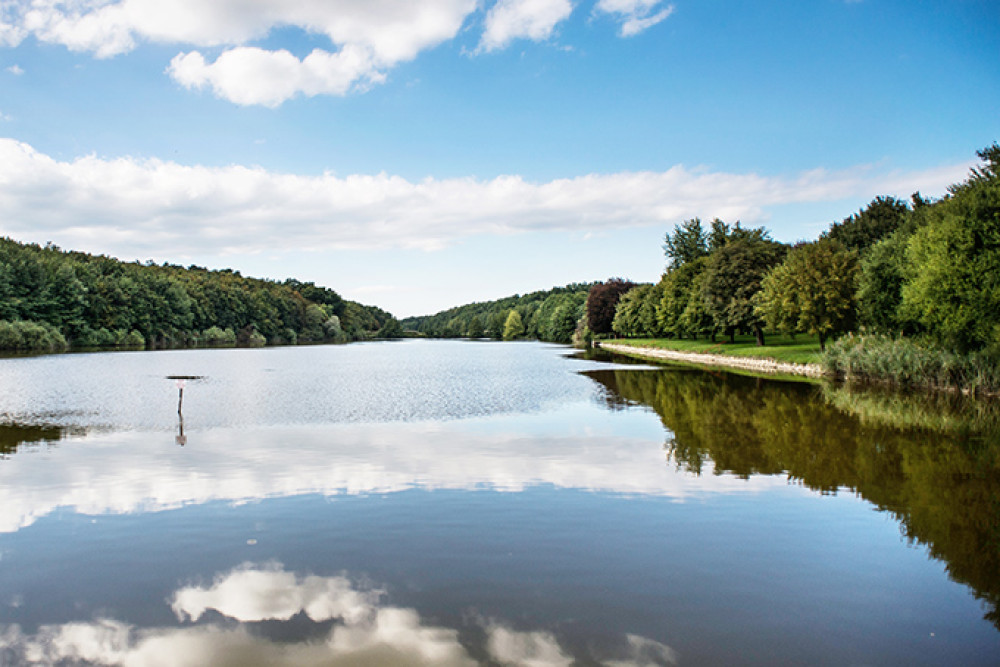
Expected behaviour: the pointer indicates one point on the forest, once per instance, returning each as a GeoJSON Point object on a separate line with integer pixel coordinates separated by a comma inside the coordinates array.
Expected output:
{"type": "Point", "coordinates": [549, 316]}
{"type": "Point", "coordinates": [51, 300]}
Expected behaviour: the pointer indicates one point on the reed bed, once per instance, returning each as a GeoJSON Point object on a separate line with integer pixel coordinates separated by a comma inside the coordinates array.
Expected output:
{"type": "Point", "coordinates": [907, 362]}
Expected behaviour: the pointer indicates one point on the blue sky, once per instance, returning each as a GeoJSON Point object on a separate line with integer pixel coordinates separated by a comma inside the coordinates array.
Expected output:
{"type": "Point", "coordinates": [419, 155]}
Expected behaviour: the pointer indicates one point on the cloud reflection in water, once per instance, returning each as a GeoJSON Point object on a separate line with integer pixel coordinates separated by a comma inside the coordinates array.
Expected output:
{"type": "Point", "coordinates": [365, 632]}
{"type": "Point", "coordinates": [129, 472]}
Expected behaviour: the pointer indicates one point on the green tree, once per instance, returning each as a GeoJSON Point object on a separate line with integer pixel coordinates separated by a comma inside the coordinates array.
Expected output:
{"type": "Point", "coordinates": [880, 285]}
{"type": "Point", "coordinates": [733, 276]}
{"type": "Point", "coordinates": [862, 230]}
{"type": "Point", "coordinates": [952, 263]}
{"type": "Point", "coordinates": [475, 329]}
{"type": "Point", "coordinates": [513, 327]}
{"type": "Point", "coordinates": [675, 290]}
{"type": "Point", "coordinates": [687, 243]}
{"type": "Point", "coordinates": [812, 291]}
{"type": "Point", "coordinates": [564, 322]}
{"type": "Point", "coordinates": [627, 321]}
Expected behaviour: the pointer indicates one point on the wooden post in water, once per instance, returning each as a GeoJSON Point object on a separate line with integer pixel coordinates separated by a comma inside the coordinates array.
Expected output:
{"type": "Point", "coordinates": [180, 396]}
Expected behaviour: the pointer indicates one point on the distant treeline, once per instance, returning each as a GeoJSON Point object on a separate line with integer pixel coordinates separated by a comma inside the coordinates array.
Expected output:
{"type": "Point", "coordinates": [51, 299]}
{"type": "Point", "coordinates": [550, 316]}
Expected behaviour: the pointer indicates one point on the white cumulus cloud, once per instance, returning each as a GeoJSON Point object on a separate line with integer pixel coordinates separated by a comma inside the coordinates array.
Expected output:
{"type": "Point", "coordinates": [143, 207]}
{"type": "Point", "coordinates": [367, 38]}
{"type": "Point", "coordinates": [508, 20]}
{"type": "Point", "coordinates": [248, 75]}
{"type": "Point", "coordinates": [634, 15]}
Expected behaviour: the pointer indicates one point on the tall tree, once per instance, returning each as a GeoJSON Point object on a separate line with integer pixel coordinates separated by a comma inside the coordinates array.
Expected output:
{"type": "Point", "coordinates": [882, 217]}
{"type": "Point", "coordinates": [953, 262]}
{"type": "Point", "coordinates": [686, 244]}
{"type": "Point", "coordinates": [514, 326]}
{"type": "Point", "coordinates": [732, 278]}
{"type": "Point", "coordinates": [812, 291]}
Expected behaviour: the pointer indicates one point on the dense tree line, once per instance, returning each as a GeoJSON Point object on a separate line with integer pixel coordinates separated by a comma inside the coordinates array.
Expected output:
{"type": "Point", "coordinates": [925, 269]}
{"type": "Point", "coordinates": [51, 299]}
{"type": "Point", "coordinates": [551, 315]}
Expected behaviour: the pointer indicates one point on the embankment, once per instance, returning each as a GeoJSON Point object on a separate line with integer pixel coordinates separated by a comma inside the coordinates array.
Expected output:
{"type": "Point", "coordinates": [742, 363]}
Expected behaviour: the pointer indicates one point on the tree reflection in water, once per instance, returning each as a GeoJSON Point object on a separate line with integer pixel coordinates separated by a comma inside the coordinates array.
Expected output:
{"type": "Point", "coordinates": [932, 462]}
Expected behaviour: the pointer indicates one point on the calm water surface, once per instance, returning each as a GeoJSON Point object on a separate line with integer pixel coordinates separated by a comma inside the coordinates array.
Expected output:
{"type": "Point", "coordinates": [463, 503]}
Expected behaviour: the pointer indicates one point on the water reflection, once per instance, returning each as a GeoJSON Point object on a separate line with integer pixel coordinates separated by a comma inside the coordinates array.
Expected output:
{"type": "Point", "coordinates": [128, 472]}
{"type": "Point", "coordinates": [363, 631]}
{"type": "Point", "coordinates": [936, 471]}
{"type": "Point", "coordinates": [14, 436]}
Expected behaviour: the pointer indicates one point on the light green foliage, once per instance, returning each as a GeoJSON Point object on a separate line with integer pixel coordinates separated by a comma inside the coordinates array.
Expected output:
{"type": "Point", "coordinates": [513, 327]}
{"type": "Point", "coordinates": [635, 314]}
{"type": "Point", "coordinates": [909, 362]}
{"type": "Point", "coordinates": [627, 320]}
{"type": "Point", "coordinates": [676, 290]}
{"type": "Point", "coordinates": [812, 291]}
{"type": "Point", "coordinates": [30, 337]}
{"type": "Point", "coordinates": [216, 336]}
{"type": "Point", "coordinates": [952, 265]}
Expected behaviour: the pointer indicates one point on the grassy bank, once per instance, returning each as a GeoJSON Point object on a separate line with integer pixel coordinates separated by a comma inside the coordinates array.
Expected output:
{"type": "Point", "coordinates": [906, 362]}
{"type": "Point", "coordinates": [800, 350]}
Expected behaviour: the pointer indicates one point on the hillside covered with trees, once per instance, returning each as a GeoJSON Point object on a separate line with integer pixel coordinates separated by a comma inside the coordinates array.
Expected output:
{"type": "Point", "coordinates": [52, 299]}
{"type": "Point", "coordinates": [548, 315]}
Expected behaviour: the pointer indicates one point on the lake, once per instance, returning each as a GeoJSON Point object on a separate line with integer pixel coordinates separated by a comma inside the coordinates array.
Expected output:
{"type": "Point", "coordinates": [463, 503]}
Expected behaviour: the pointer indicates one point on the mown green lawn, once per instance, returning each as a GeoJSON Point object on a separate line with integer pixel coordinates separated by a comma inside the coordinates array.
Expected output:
{"type": "Point", "coordinates": [802, 349]}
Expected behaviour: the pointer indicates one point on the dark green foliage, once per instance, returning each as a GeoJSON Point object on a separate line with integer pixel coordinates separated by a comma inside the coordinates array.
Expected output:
{"type": "Point", "coordinates": [733, 276]}
{"type": "Point", "coordinates": [882, 217]}
{"type": "Point", "coordinates": [93, 301]}
{"type": "Point", "coordinates": [880, 285]}
{"type": "Point", "coordinates": [688, 242]}
{"type": "Point", "coordinates": [550, 316]}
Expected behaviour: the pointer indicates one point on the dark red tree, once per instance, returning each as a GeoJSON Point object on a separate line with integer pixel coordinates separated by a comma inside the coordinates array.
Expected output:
{"type": "Point", "coordinates": [602, 301]}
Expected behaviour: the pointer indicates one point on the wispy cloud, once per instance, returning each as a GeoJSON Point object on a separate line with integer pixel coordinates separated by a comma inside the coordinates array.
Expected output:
{"type": "Point", "coordinates": [509, 20]}
{"type": "Point", "coordinates": [634, 16]}
{"type": "Point", "coordinates": [15, 70]}
{"type": "Point", "coordinates": [134, 207]}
